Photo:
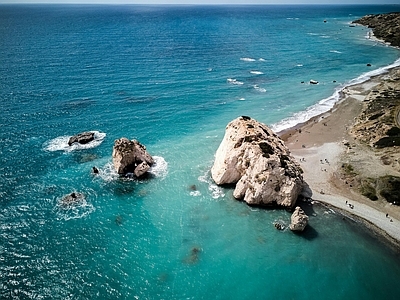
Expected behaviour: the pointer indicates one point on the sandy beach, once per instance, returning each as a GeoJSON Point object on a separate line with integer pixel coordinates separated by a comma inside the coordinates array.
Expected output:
{"type": "Point", "coordinates": [325, 143]}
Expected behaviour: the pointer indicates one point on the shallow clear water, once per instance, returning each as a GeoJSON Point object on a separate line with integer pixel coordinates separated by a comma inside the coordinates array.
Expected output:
{"type": "Point", "coordinates": [172, 77]}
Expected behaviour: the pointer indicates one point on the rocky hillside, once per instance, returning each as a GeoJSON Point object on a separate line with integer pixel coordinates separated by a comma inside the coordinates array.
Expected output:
{"type": "Point", "coordinates": [378, 125]}
{"type": "Point", "coordinates": [384, 26]}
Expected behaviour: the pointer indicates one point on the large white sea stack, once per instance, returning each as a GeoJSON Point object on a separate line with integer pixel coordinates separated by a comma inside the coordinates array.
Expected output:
{"type": "Point", "coordinates": [254, 158]}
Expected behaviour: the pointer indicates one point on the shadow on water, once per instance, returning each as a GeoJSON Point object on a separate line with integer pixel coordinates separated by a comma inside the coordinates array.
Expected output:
{"type": "Point", "coordinates": [122, 188]}
{"type": "Point", "coordinates": [309, 233]}
{"type": "Point", "coordinates": [193, 256]}
{"type": "Point", "coordinates": [84, 157]}
{"type": "Point", "coordinates": [77, 104]}
{"type": "Point", "coordinates": [129, 186]}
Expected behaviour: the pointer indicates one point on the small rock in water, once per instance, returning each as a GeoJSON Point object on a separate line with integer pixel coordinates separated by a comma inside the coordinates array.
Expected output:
{"type": "Point", "coordinates": [95, 170]}
{"type": "Point", "coordinates": [72, 199]}
{"type": "Point", "coordinates": [118, 220]}
{"type": "Point", "coordinates": [131, 157]}
{"type": "Point", "coordinates": [279, 226]}
{"type": "Point", "coordinates": [299, 220]}
{"type": "Point", "coordinates": [81, 138]}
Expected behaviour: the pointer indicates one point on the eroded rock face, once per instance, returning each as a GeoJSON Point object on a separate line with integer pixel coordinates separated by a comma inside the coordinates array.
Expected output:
{"type": "Point", "coordinates": [131, 157]}
{"type": "Point", "coordinates": [81, 138]}
{"type": "Point", "coordinates": [256, 159]}
{"type": "Point", "coordinates": [299, 220]}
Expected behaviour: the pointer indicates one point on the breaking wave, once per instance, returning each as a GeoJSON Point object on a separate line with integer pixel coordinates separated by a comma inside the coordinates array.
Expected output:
{"type": "Point", "coordinates": [75, 211]}
{"type": "Point", "coordinates": [160, 167]}
{"type": "Point", "coordinates": [215, 190]}
{"type": "Point", "coordinates": [259, 89]}
{"type": "Point", "coordinates": [61, 143]}
{"type": "Point", "coordinates": [234, 81]}
{"type": "Point", "coordinates": [248, 59]}
{"type": "Point", "coordinates": [159, 170]}
{"type": "Point", "coordinates": [326, 104]}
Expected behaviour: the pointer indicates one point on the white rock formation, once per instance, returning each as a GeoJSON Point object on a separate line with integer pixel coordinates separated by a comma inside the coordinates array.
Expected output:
{"type": "Point", "coordinates": [256, 159]}
{"type": "Point", "coordinates": [298, 220]}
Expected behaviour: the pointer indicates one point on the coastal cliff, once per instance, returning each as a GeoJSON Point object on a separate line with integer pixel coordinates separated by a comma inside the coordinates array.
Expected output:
{"type": "Point", "coordinates": [385, 27]}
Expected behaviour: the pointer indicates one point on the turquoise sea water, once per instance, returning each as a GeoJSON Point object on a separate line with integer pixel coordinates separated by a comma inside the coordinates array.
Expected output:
{"type": "Point", "coordinates": [171, 77]}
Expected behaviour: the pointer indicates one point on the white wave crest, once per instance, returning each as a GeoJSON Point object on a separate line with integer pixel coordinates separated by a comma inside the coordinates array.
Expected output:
{"type": "Point", "coordinates": [256, 72]}
{"type": "Point", "coordinates": [216, 191]}
{"type": "Point", "coordinates": [335, 51]}
{"type": "Point", "coordinates": [234, 81]}
{"type": "Point", "coordinates": [326, 104]}
{"type": "Point", "coordinates": [160, 167]}
{"type": "Point", "coordinates": [261, 59]}
{"type": "Point", "coordinates": [61, 143]}
{"type": "Point", "coordinates": [77, 211]}
{"type": "Point", "coordinates": [195, 193]}
{"type": "Point", "coordinates": [108, 173]}
{"type": "Point", "coordinates": [259, 89]}
{"type": "Point", "coordinates": [159, 170]}
{"type": "Point", "coordinates": [368, 75]}
{"type": "Point", "coordinates": [248, 59]}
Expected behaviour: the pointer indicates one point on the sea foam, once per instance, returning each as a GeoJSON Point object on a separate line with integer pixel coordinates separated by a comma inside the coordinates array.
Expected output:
{"type": "Point", "coordinates": [70, 212]}
{"type": "Point", "coordinates": [259, 89]}
{"type": "Point", "coordinates": [234, 81]}
{"type": "Point", "coordinates": [326, 104]}
{"type": "Point", "coordinates": [158, 170]}
{"type": "Point", "coordinates": [61, 143]}
{"type": "Point", "coordinates": [215, 190]}
{"type": "Point", "coordinates": [160, 167]}
{"type": "Point", "coordinates": [256, 72]}
{"type": "Point", "coordinates": [248, 59]}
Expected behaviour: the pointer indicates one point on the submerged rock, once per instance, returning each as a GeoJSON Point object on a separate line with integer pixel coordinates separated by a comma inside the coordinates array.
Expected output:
{"type": "Point", "coordinates": [256, 159]}
{"type": "Point", "coordinates": [299, 220]}
{"type": "Point", "coordinates": [81, 138]}
{"type": "Point", "coordinates": [72, 199]}
{"type": "Point", "coordinates": [131, 157]}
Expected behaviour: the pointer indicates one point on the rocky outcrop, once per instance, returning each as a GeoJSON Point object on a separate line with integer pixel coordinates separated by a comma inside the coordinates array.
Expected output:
{"type": "Point", "coordinates": [72, 199]}
{"type": "Point", "coordinates": [81, 138]}
{"type": "Point", "coordinates": [131, 157]}
{"type": "Point", "coordinates": [254, 158]}
{"type": "Point", "coordinates": [298, 220]}
{"type": "Point", "coordinates": [384, 26]}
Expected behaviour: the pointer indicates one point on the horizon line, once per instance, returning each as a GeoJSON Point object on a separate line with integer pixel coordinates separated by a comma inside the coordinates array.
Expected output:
{"type": "Point", "coordinates": [198, 4]}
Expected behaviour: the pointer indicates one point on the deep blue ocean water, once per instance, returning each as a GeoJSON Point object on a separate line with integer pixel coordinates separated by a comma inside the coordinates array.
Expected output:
{"type": "Point", "coordinates": [171, 77]}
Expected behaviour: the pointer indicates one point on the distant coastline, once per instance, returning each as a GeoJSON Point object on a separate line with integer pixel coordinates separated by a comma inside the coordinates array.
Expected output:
{"type": "Point", "coordinates": [339, 161]}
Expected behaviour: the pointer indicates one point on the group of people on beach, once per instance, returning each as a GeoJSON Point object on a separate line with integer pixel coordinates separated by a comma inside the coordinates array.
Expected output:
{"type": "Point", "coordinates": [350, 205]}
